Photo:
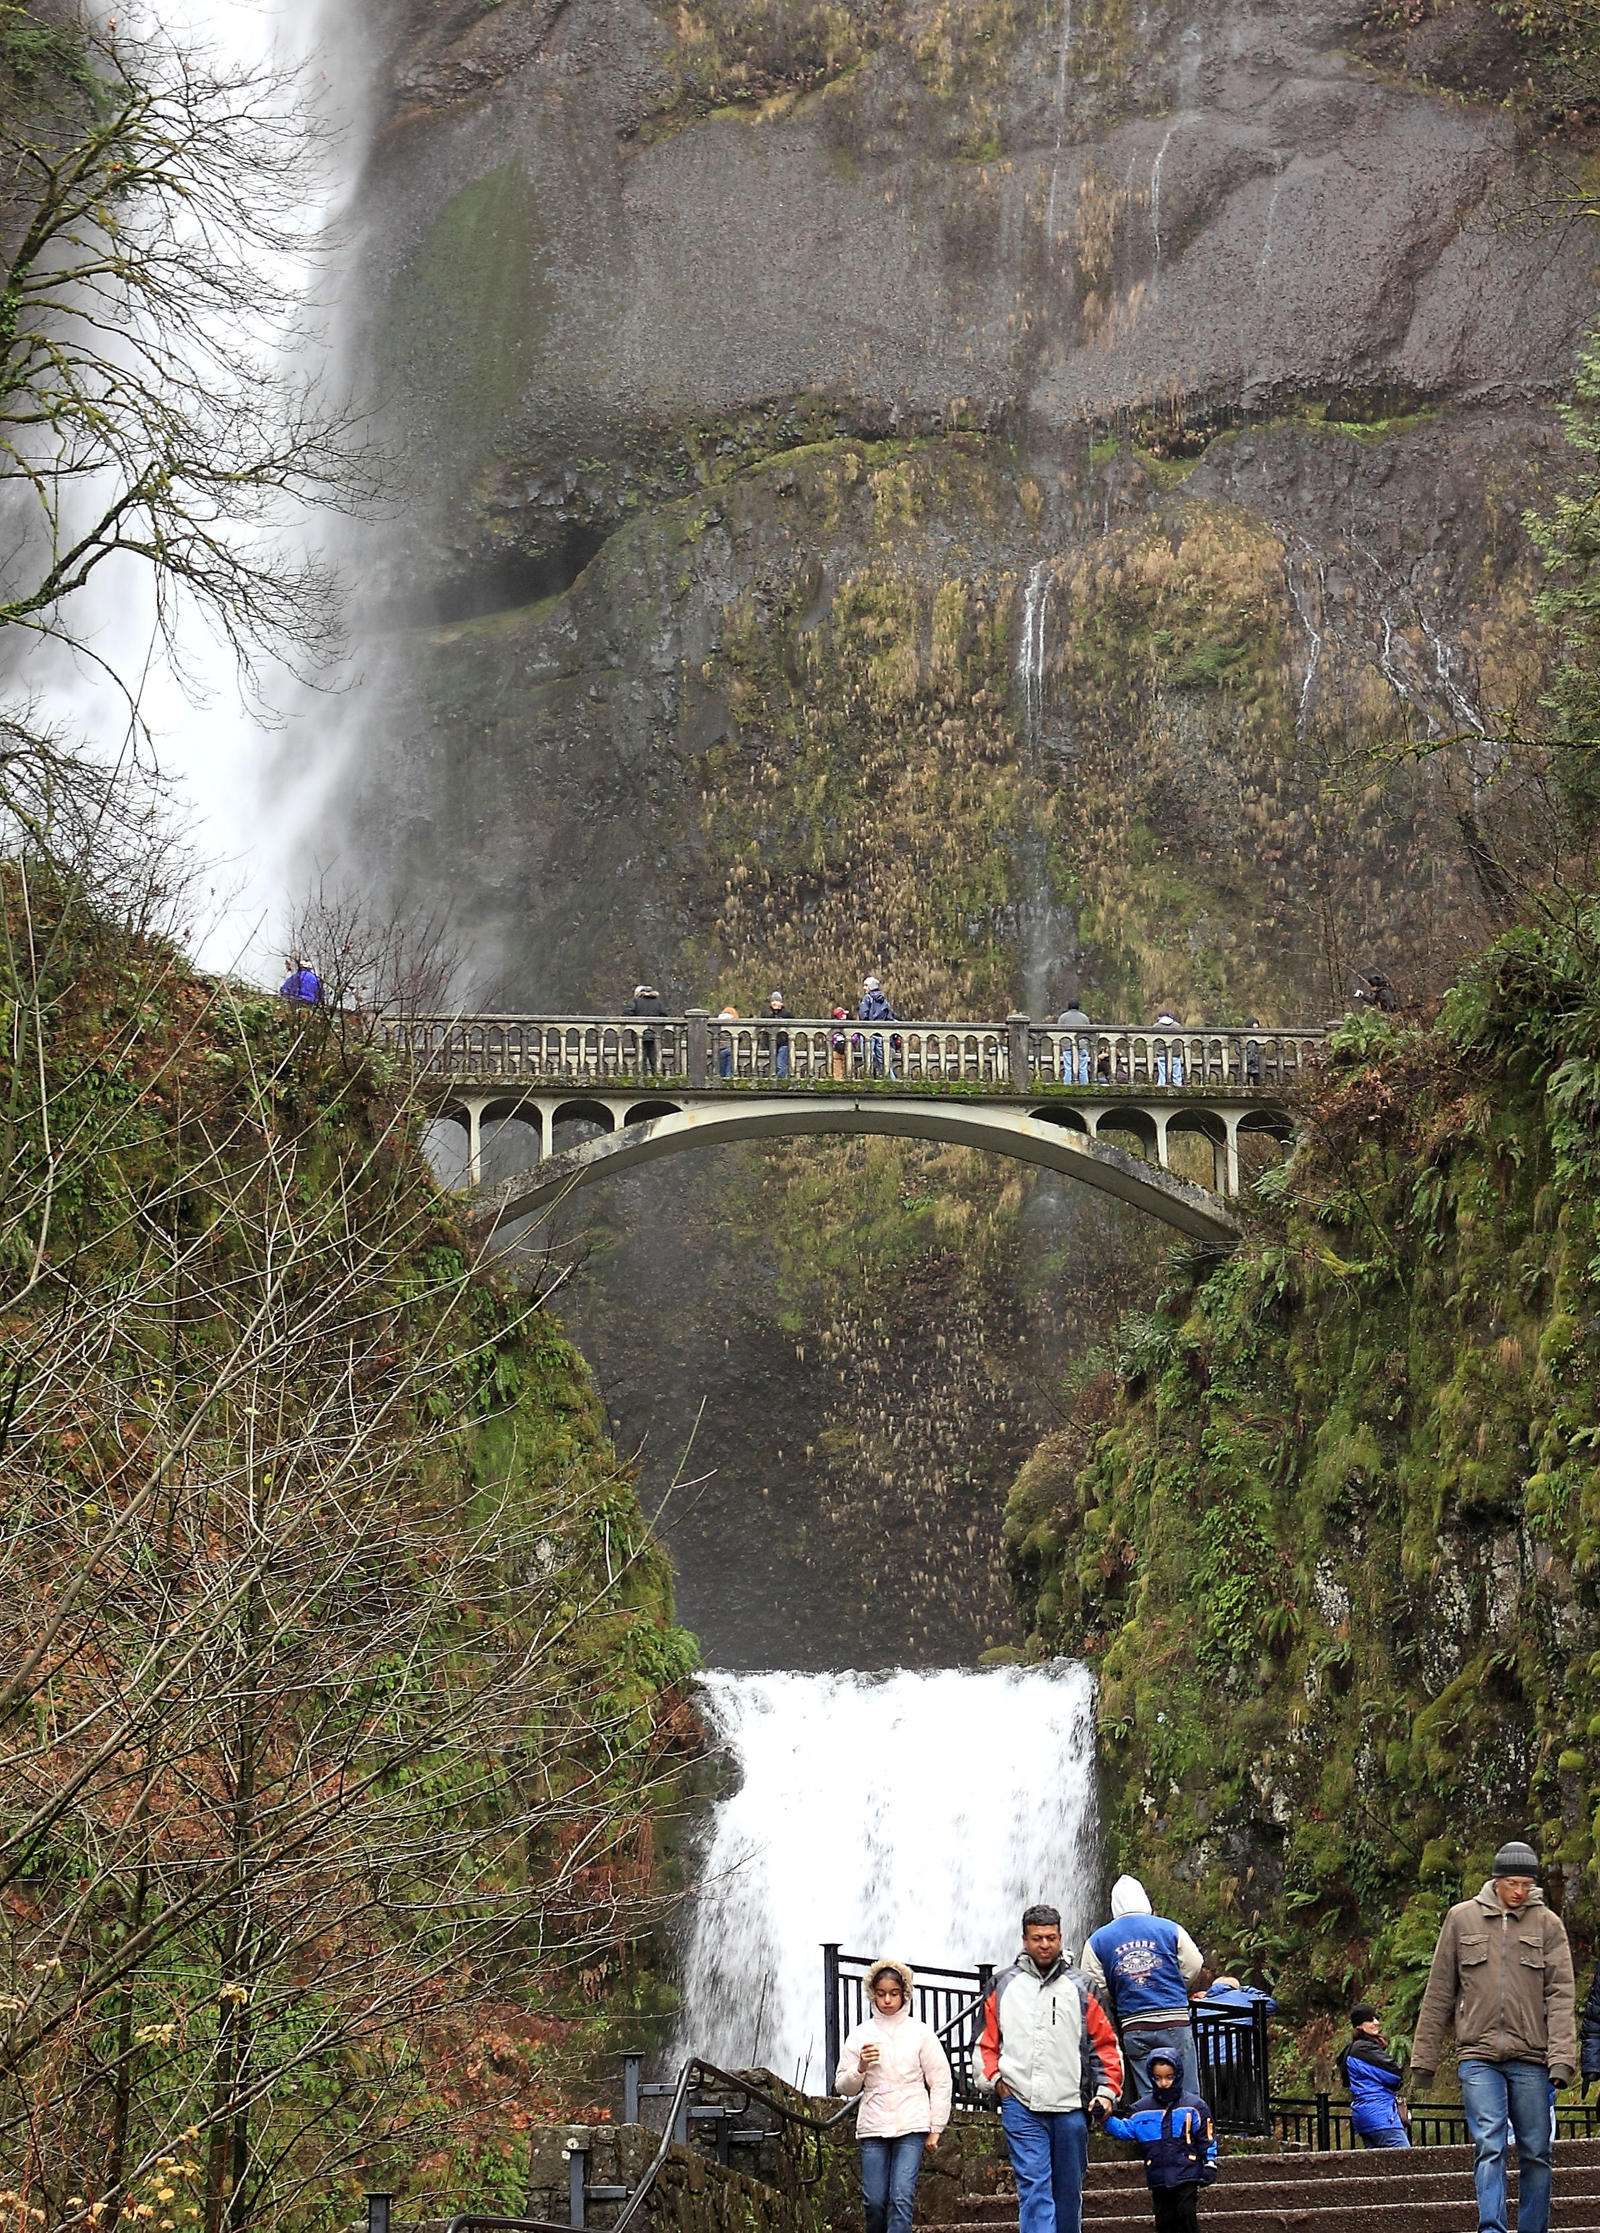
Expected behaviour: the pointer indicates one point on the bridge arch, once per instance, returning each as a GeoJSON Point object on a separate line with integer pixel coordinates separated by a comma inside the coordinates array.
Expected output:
{"type": "Point", "coordinates": [1059, 1141]}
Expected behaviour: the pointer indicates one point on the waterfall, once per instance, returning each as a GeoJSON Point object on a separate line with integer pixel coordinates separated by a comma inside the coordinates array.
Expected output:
{"type": "Point", "coordinates": [1030, 655]}
{"type": "Point", "coordinates": [215, 742]}
{"type": "Point", "coordinates": [1155, 191]}
{"type": "Point", "coordinates": [916, 1814]}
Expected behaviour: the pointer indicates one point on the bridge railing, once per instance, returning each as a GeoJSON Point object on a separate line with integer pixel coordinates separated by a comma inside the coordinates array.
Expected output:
{"type": "Point", "coordinates": [1116, 1059]}
{"type": "Point", "coordinates": [705, 1052]}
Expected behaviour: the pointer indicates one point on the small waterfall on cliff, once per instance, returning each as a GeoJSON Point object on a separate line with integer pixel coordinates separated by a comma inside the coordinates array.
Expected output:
{"type": "Point", "coordinates": [1047, 933]}
{"type": "Point", "coordinates": [911, 1813]}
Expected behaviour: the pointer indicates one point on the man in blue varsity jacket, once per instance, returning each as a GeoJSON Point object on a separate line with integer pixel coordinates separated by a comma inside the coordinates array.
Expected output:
{"type": "Point", "coordinates": [1173, 2129]}
{"type": "Point", "coordinates": [1142, 1968]}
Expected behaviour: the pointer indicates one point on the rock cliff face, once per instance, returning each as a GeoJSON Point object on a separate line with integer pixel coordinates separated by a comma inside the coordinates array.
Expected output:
{"type": "Point", "coordinates": [968, 488]}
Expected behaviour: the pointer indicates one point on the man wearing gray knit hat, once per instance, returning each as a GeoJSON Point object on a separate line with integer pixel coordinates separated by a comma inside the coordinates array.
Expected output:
{"type": "Point", "coordinates": [1502, 1973]}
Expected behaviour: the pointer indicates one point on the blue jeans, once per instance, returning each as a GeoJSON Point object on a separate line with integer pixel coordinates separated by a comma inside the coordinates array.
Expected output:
{"type": "Point", "coordinates": [1138, 2046]}
{"type": "Point", "coordinates": [1048, 2154]}
{"type": "Point", "coordinates": [1498, 2095]}
{"type": "Point", "coordinates": [1074, 1066]}
{"type": "Point", "coordinates": [1387, 2136]}
{"type": "Point", "coordinates": [889, 2181]}
{"type": "Point", "coordinates": [783, 1058]}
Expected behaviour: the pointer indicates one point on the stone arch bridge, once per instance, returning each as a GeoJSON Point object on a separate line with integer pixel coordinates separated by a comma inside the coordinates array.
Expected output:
{"type": "Point", "coordinates": [1041, 1094]}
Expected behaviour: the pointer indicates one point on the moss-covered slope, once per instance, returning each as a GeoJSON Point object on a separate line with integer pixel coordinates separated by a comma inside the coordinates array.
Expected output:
{"type": "Point", "coordinates": [1330, 1533]}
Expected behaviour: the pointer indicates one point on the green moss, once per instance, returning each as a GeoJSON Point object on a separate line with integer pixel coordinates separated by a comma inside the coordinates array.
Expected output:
{"type": "Point", "coordinates": [464, 318]}
{"type": "Point", "coordinates": [1315, 1474]}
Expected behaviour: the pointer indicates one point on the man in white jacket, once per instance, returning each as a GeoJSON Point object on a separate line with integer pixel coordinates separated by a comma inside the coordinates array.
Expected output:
{"type": "Point", "coordinates": [1049, 2054]}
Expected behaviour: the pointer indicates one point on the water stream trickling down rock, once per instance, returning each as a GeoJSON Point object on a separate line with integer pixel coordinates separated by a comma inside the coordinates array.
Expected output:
{"type": "Point", "coordinates": [909, 1813]}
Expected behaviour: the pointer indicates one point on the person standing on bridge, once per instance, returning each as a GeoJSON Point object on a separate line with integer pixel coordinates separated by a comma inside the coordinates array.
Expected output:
{"type": "Point", "coordinates": [1502, 1975]}
{"type": "Point", "coordinates": [1049, 2054]}
{"type": "Point", "coordinates": [1074, 1051]}
{"type": "Point", "coordinates": [838, 1046]}
{"type": "Point", "coordinates": [896, 2064]}
{"type": "Point", "coordinates": [875, 1008]}
{"type": "Point", "coordinates": [646, 1001]}
{"type": "Point", "coordinates": [1144, 1967]}
{"type": "Point", "coordinates": [1167, 1021]}
{"type": "Point", "coordinates": [780, 1045]}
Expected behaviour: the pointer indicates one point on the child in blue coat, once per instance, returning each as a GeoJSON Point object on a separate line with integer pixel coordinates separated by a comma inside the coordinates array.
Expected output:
{"type": "Point", "coordinates": [1174, 2130]}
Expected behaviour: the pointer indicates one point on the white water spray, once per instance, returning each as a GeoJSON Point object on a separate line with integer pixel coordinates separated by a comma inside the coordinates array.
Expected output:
{"type": "Point", "coordinates": [213, 741]}
{"type": "Point", "coordinates": [911, 1813]}
{"type": "Point", "coordinates": [1266, 242]}
{"type": "Point", "coordinates": [1030, 653]}
{"type": "Point", "coordinates": [1155, 191]}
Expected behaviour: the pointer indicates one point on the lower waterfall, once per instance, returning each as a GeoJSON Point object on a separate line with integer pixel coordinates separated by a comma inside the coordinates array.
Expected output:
{"type": "Point", "coordinates": [913, 1813]}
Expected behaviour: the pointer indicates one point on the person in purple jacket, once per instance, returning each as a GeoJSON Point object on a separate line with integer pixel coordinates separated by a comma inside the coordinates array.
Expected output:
{"type": "Point", "coordinates": [1143, 1967]}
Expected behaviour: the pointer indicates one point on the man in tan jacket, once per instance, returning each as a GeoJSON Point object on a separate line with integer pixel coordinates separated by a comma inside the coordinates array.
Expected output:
{"type": "Point", "coordinates": [1502, 1975]}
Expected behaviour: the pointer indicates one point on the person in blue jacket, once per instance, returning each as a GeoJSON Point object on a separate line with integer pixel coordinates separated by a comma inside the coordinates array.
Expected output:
{"type": "Point", "coordinates": [875, 1008]}
{"type": "Point", "coordinates": [1144, 1968]}
{"type": "Point", "coordinates": [1174, 2131]}
{"type": "Point", "coordinates": [1372, 2078]}
{"type": "Point", "coordinates": [1227, 1992]}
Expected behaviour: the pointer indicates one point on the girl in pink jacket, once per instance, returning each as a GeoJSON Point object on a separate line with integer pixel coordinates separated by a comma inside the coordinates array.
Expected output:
{"type": "Point", "coordinates": [896, 2064]}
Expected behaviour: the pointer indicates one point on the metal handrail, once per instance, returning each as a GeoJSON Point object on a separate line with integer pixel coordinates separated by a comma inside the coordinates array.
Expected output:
{"type": "Point", "coordinates": [465, 2219]}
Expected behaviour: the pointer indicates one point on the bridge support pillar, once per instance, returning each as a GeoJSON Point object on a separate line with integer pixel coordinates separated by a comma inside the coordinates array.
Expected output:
{"type": "Point", "coordinates": [698, 1051]}
{"type": "Point", "coordinates": [474, 1115]}
{"type": "Point", "coordinates": [1018, 1029]}
{"type": "Point", "coordinates": [1230, 1175]}
{"type": "Point", "coordinates": [1159, 1119]}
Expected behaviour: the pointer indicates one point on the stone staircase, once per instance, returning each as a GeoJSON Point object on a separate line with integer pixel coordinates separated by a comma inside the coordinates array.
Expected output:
{"type": "Point", "coordinates": [1420, 2190]}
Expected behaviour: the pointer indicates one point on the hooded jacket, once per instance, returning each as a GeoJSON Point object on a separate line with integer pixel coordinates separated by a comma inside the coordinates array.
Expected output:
{"type": "Point", "coordinates": [908, 2088]}
{"type": "Point", "coordinates": [875, 1007]}
{"type": "Point", "coordinates": [1503, 1977]}
{"type": "Point", "coordinates": [1048, 2038]}
{"type": "Point", "coordinates": [1372, 2078]}
{"type": "Point", "coordinates": [1141, 1964]}
{"type": "Point", "coordinates": [1174, 2130]}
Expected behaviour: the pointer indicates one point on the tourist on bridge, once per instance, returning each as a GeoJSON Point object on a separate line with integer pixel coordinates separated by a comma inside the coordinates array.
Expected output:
{"type": "Point", "coordinates": [302, 985]}
{"type": "Point", "coordinates": [896, 2064]}
{"type": "Point", "coordinates": [646, 1001]}
{"type": "Point", "coordinates": [875, 1008]}
{"type": "Point", "coordinates": [1075, 1054]}
{"type": "Point", "coordinates": [1144, 1967]}
{"type": "Point", "coordinates": [1502, 1975]}
{"type": "Point", "coordinates": [780, 1051]}
{"type": "Point", "coordinates": [1169, 1057]}
{"type": "Point", "coordinates": [1372, 2078]}
{"type": "Point", "coordinates": [838, 1045]}
{"type": "Point", "coordinates": [1173, 2130]}
{"type": "Point", "coordinates": [725, 1051]}
{"type": "Point", "coordinates": [1048, 2052]}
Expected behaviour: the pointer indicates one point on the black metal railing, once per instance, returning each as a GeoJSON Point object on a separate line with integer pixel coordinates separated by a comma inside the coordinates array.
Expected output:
{"type": "Point", "coordinates": [1321, 2122]}
{"type": "Point", "coordinates": [949, 2002]}
{"type": "Point", "coordinates": [1230, 2047]}
{"type": "Point", "coordinates": [1230, 2043]}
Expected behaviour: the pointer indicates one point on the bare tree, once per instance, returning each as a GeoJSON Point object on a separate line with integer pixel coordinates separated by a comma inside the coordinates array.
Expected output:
{"type": "Point", "coordinates": [159, 211]}
{"type": "Point", "coordinates": [327, 1698]}
{"type": "Point", "coordinates": [377, 960]}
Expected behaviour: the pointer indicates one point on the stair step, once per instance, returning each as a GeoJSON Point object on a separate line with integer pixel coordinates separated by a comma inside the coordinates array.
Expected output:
{"type": "Point", "coordinates": [1379, 2190]}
